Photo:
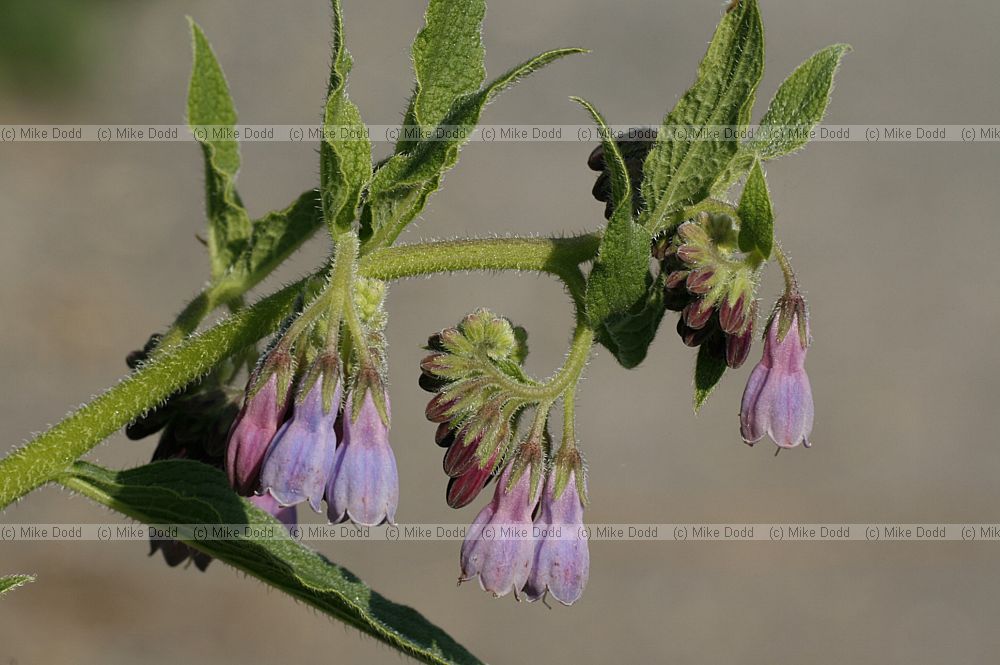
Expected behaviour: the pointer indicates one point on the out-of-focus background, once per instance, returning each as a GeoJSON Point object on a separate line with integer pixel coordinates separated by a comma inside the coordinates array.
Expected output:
{"type": "Point", "coordinates": [895, 244]}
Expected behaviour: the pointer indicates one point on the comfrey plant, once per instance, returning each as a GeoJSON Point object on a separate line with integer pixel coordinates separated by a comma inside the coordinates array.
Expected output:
{"type": "Point", "coordinates": [313, 423]}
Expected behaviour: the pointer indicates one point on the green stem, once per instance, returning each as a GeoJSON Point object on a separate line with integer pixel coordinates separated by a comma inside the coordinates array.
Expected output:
{"type": "Point", "coordinates": [557, 256]}
{"type": "Point", "coordinates": [791, 283]}
{"type": "Point", "coordinates": [51, 452]}
{"type": "Point", "coordinates": [341, 285]}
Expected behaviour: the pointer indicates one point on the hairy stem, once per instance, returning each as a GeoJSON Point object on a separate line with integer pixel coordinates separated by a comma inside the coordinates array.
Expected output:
{"type": "Point", "coordinates": [48, 454]}
{"type": "Point", "coordinates": [51, 452]}
{"type": "Point", "coordinates": [557, 256]}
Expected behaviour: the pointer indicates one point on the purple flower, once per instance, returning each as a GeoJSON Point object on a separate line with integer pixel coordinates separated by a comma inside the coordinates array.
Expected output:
{"type": "Point", "coordinates": [562, 557]}
{"type": "Point", "coordinates": [778, 399]}
{"type": "Point", "coordinates": [299, 459]}
{"type": "Point", "coordinates": [252, 431]}
{"type": "Point", "coordinates": [499, 547]}
{"type": "Point", "coordinates": [364, 485]}
{"type": "Point", "coordinates": [284, 514]}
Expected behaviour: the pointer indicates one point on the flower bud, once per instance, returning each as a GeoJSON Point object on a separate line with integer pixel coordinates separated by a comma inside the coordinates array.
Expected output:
{"type": "Point", "coordinates": [778, 400]}
{"type": "Point", "coordinates": [263, 411]}
{"type": "Point", "coordinates": [697, 313]}
{"type": "Point", "coordinates": [701, 281]}
{"type": "Point", "coordinates": [437, 410]}
{"type": "Point", "coordinates": [738, 347]}
{"type": "Point", "coordinates": [445, 435]}
{"type": "Point", "coordinates": [465, 488]}
{"type": "Point", "coordinates": [461, 455]}
{"type": "Point", "coordinates": [693, 336]}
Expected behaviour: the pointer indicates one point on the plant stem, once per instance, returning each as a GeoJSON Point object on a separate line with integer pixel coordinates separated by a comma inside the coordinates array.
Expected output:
{"type": "Point", "coordinates": [557, 256]}
{"type": "Point", "coordinates": [791, 283]}
{"type": "Point", "coordinates": [51, 452]}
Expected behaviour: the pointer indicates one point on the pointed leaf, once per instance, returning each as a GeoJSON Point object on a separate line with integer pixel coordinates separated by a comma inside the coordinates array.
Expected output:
{"type": "Point", "coordinates": [620, 275]}
{"type": "Point", "coordinates": [276, 236]}
{"type": "Point", "coordinates": [797, 107]}
{"type": "Point", "coordinates": [680, 169]}
{"type": "Point", "coordinates": [447, 62]}
{"type": "Point", "coordinates": [212, 117]}
{"type": "Point", "coordinates": [11, 582]}
{"type": "Point", "coordinates": [708, 370]}
{"type": "Point", "coordinates": [345, 154]}
{"type": "Point", "coordinates": [800, 103]}
{"type": "Point", "coordinates": [629, 335]}
{"type": "Point", "coordinates": [188, 492]}
{"type": "Point", "coordinates": [756, 215]}
{"type": "Point", "coordinates": [400, 187]}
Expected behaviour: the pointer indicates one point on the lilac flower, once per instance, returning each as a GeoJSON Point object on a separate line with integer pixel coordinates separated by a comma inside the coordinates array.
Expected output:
{"type": "Point", "coordinates": [498, 547]}
{"type": "Point", "coordinates": [778, 399]}
{"type": "Point", "coordinates": [284, 514]}
{"type": "Point", "coordinates": [364, 485]}
{"type": "Point", "coordinates": [300, 457]}
{"type": "Point", "coordinates": [252, 431]}
{"type": "Point", "coordinates": [562, 558]}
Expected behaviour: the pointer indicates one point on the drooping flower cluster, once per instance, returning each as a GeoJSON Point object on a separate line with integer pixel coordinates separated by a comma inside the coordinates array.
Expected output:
{"type": "Point", "coordinates": [531, 542]}
{"type": "Point", "coordinates": [321, 432]}
{"type": "Point", "coordinates": [311, 446]}
{"type": "Point", "coordinates": [475, 414]}
{"type": "Point", "coordinates": [529, 538]}
{"type": "Point", "coordinates": [712, 285]}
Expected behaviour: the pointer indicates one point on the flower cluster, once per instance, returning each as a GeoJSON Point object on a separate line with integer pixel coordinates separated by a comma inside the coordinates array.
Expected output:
{"type": "Point", "coordinates": [711, 283]}
{"type": "Point", "coordinates": [467, 372]}
{"type": "Point", "coordinates": [309, 441]}
{"type": "Point", "coordinates": [529, 538]}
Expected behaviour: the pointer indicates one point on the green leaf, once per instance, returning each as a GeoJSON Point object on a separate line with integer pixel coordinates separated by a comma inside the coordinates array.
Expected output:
{"type": "Point", "coordinates": [188, 492]}
{"type": "Point", "coordinates": [629, 335]}
{"type": "Point", "coordinates": [620, 275]}
{"type": "Point", "coordinates": [680, 170]}
{"type": "Point", "coordinates": [10, 582]}
{"type": "Point", "coordinates": [401, 186]}
{"type": "Point", "coordinates": [275, 237]}
{"type": "Point", "coordinates": [708, 370]}
{"type": "Point", "coordinates": [346, 153]}
{"type": "Point", "coordinates": [800, 102]}
{"type": "Point", "coordinates": [797, 107]}
{"type": "Point", "coordinates": [756, 215]}
{"type": "Point", "coordinates": [212, 117]}
{"type": "Point", "coordinates": [447, 61]}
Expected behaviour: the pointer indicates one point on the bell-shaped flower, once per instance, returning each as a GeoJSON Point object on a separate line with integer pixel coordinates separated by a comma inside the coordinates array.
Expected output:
{"type": "Point", "coordinates": [299, 460]}
{"type": "Point", "coordinates": [255, 426]}
{"type": "Point", "coordinates": [499, 547]}
{"type": "Point", "coordinates": [562, 557]}
{"type": "Point", "coordinates": [778, 399]}
{"type": "Point", "coordinates": [364, 483]}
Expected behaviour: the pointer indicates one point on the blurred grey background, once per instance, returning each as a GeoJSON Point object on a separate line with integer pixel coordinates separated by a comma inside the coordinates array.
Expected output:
{"type": "Point", "coordinates": [895, 244]}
